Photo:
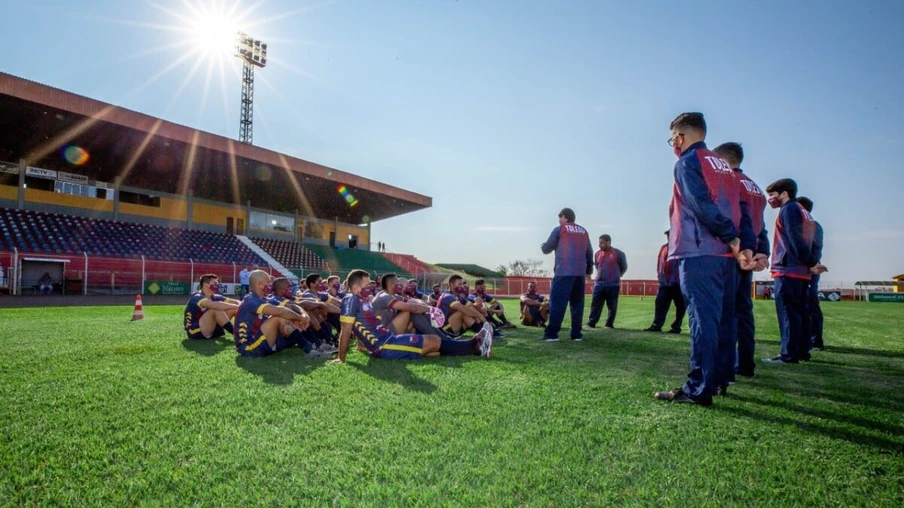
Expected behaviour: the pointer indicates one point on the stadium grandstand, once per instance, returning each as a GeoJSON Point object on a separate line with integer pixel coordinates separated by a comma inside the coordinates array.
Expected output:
{"type": "Point", "coordinates": [111, 200]}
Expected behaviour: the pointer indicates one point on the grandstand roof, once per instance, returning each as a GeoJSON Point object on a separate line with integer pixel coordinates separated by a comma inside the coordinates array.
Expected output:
{"type": "Point", "coordinates": [38, 121]}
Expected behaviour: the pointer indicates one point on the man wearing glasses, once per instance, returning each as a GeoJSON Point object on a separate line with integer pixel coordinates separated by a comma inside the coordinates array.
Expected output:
{"type": "Point", "coordinates": [710, 231]}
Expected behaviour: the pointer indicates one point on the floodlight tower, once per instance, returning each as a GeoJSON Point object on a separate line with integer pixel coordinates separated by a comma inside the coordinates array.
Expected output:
{"type": "Point", "coordinates": [253, 53]}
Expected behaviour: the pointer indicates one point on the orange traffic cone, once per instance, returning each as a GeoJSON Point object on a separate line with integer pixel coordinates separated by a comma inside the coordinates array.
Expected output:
{"type": "Point", "coordinates": [138, 313]}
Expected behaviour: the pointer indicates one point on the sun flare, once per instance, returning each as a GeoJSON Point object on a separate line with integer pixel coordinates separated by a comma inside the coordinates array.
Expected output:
{"type": "Point", "coordinates": [213, 32]}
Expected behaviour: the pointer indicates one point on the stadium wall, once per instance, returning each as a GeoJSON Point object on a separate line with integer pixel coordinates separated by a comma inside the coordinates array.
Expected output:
{"type": "Point", "coordinates": [8, 193]}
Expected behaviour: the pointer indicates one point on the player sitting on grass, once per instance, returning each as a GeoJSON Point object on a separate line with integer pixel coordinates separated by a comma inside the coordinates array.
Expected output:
{"type": "Point", "coordinates": [460, 314]}
{"type": "Point", "coordinates": [495, 312]}
{"type": "Point", "coordinates": [433, 297]}
{"type": "Point", "coordinates": [411, 291]}
{"type": "Point", "coordinates": [534, 307]}
{"type": "Point", "coordinates": [320, 305]}
{"type": "Point", "coordinates": [358, 318]}
{"type": "Point", "coordinates": [306, 339]}
{"type": "Point", "coordinates": [392, 308]}
{"type": "Point", "coordinates": [208, 313]}
{"type": "Point", "coordinates": [262, 328]}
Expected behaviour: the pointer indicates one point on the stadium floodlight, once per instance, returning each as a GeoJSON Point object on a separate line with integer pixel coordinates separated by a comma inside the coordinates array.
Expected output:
{"type": "Point", "coordinates": [253, 53]}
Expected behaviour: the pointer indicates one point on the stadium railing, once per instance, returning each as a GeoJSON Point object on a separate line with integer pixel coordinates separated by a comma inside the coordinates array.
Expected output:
{"type": "Point", "coordinates": [86, 275]}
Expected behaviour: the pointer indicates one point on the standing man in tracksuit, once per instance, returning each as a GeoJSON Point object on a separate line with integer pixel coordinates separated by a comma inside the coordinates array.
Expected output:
{"type": "Point", "coordinates": [710, 233]}
{"type": "Point", "coordinates": [793, 263]}
{"type": "Point", "coordinates": [744, 363]}
{"type": "Point", "coordinates": [813, 293]}
{"type": "Point", "coordinates": [669, 291]}
{"type": "Point", "coordinates": [574, 262]}
{"type": "Point", "coordinates": [611, 265]}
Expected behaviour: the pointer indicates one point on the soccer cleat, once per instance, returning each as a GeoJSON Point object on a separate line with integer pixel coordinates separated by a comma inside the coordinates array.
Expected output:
{"type": "Point", "coordinates": [550, 339]}
{"type": "Point", "coordinates": [317, 354]}
{"type": "Point", "coordinates": [485, 340]}
{"type": "Point", "coordinates": [675, 330]}
{"type": "Point", "coordinates": [652, 329]}
{"type": "Point", "coordinates": [577, 339]}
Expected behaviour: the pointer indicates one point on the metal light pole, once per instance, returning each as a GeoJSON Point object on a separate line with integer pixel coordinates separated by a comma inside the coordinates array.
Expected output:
{"type": "Point", "coordinates": [253, 53]}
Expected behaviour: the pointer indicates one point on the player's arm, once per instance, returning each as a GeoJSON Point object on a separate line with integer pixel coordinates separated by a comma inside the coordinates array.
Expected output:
{"type": "Point", "coordinates": [345, 333]}
{"type": "Point", "coordinates": [409, 306]}
{"type": "Point", "coordinates": [310, 305]}
{"type": "Point", "coordinates": [692, 186]}
{"type": "Point", "coordinates": [622, 263]}
{"type": "Point", "coordinates": [207, 303]}
{"type": "Point", "coordinates": [301, 320]}
{"type": "Point", "coordinates": [530, 302]}
{"type": "Point", "coordinates": [589, 257]}
{"type": "Point", "coordinates": [331, 308]}
{"type": "Point", "coordinates": [551, 243]}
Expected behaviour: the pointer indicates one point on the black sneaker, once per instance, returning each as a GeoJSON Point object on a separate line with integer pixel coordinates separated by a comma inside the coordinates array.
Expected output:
{"type": "Point", "coordinates": [746, 373]}
{"type": "Point", "coordinates": [652, 329]}
{"type": "Point", "coordinates": [721, 390]}
{"type": "Point", "coordinates": [675, 330]}
{"type": "Point", "coordinates": [678, 395]}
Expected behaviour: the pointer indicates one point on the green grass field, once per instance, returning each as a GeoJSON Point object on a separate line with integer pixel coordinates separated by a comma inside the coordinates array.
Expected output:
{"type": "Point", "coordinates": [97, 410]}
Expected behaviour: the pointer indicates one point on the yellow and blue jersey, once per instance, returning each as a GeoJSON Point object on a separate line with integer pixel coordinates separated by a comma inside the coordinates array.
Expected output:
{"type": "Point", "coordinates": [248, 321]}
{"type": "Point", "coordinates": [194, 311]}
{"type": "Point", "coordinates": [369, 331]}
{"type": "Point", "coordinates": [447, 300]}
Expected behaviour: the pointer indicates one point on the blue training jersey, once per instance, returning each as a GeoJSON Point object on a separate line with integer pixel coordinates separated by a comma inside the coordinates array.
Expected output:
{"type": "Point", "coordinates": [574, 255]}
{"type": "Point", "coordinates": [610, 264]}
{"type": "Point", "coordinates": [248, 321]}
{"type": "Point", "coordinates": [667, 269]}
{"type": "Point", "coordinates": [756, 206]}
{"type": "Point", "coordinates": [194, 311]}
{"type": "Point", "coordinates": [708, 209]}
{"type": "Point", "coordinates": [366, 328]}
{"type": "Point", "coordinates": [792, 245]}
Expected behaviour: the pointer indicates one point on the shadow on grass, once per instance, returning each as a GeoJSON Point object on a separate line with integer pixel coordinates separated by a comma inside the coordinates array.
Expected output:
{"type": "Point", "coordinates": [395, 371]}
{"type": "Point", "coordinates": [855, 385]}
{"type": "Point", "coordinates": [208, 347]}
{"type": "Point", "coordinates": [879, 443]}
{"type": "Point", "coordinates": [280, 368]}
{"type": "Point", "coordinates": [897, 430]}
{"type": "Point", "coordinates": [880, 353]}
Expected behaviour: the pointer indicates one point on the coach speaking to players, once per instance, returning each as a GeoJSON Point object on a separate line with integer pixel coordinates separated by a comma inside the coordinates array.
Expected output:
{"type": "Point", "coordinates": [574, 262]}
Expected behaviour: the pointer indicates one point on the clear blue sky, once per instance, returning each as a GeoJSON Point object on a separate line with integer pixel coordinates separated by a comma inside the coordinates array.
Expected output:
{"type": "Point", "coordinates": [506, 111]}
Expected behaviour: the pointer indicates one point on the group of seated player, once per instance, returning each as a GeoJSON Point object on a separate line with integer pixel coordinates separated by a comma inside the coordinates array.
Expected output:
{"type": "Point", "coordinates": [395, 322]}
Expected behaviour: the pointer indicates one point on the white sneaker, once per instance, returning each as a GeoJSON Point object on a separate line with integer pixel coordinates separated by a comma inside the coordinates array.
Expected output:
{"type": "Point", "coordinates": [326, 348]}
{"type": "Point", "coordinates": [317, 354]}
{"type": "Point", "coordinates": [485, 338]}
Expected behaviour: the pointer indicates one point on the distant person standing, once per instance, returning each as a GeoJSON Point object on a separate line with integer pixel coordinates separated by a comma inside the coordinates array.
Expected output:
{"type": "Point", "coordinates": [744, 362]}
{"type": "Point", "coordinates": [710, 232]}
{"type": "Point", "coordinates": [814, 310]}
{"type": "Point", "coordinates": [793, 263]}
{"type": "Point", "coordinates": [244, 276]}
{"type": "Point", "coordinates": [611, 265]}
{"type": "Point", "coordinates": [669, 291]}
{"type": "Point", "coordinates": [574, 262]}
